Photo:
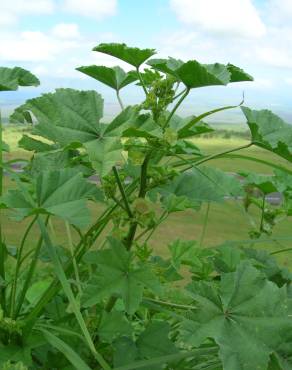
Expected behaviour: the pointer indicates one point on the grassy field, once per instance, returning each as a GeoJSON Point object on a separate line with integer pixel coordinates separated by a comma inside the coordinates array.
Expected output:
{"type": "Point", "coordinates": [226, 221]}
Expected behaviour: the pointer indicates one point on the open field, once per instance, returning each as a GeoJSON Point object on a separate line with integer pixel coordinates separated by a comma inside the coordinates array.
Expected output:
{"type": "Point", "coordinates": [228, 221]}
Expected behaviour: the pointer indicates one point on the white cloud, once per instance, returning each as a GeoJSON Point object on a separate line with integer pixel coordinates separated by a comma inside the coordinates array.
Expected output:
{"type": "Point", "coordinates": [66, 31]}
{"type": "Point", "coordinates": [234, 18]}
{"type": "Point", "coordinates": [32, 46]}
{"type": "Point", "coordinates": [278, 11]}
{"type": "Point", "coordinates": [11, 11]}
{"type": "Point", "coordinates": [97, 9]}
{"type": "Point", "coordinates": [289, 81]}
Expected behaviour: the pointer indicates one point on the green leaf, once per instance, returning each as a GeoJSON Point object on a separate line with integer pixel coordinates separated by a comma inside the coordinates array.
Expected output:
{"type": "Point", "coordinates": [133, 56]}
{"type": "Point", "coordinates": [125, 351]}
{"type": "Point", "coordinates": [104, 154]}
{"type": "Point", "coordinates": [247, 317]}
{"type": "Point", "coordinates": [67, 351]}
{"type": "Point", "coordinates": [143, 126]}
{"type": "Point", "coordinates": [182, 252]}
{"type": "Point", "coordinates": [12, 78]}
{"type": "Point", "coordinates": [68, 117]}
{"type": "Point", "coordinates": [112, 325]}
{"type": "Point", "coordinates": [15, 353]}
{"type": "Point", "coordinates": [269, 131]}
{"type": "Point", "coordinates": [63, 193]}
{"type": "Point", "coordinates": [32, 144]}
{"type": "Point", "coordinates": [203, 184]}
{"type": "Point", "coordinates": [5, 147]}
{"type": "Point", "coordinates": [148, 77]}
{"type": "Point", "coordinates": [154, 341]}
{"type": "Point", "coordinates": [194, 74]}
{"type": "Point", "coordinates": [189, 126]}
{"type": "Point", "coordinates": [36, 290]}
{"type": "Point", "coordinates": [262, 182]}
{"type": "Point", "coordinates": [114, 77]}
{"type": "Point", "coordinates": [117, 275]}
{"type": "Point", "coordinates": [238, 74]}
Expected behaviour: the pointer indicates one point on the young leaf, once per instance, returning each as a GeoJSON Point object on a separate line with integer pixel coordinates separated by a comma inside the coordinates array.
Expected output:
{"type": "Point", "coordinates": [12, 78]}
{"type": "Point", "coordinates": [262, 182]}
{"type": "Point", "coordinates": [238, 74]}
{"type": "Point", "coordinates": [114, 77]}
{"type": "Point", "coordinates": [247, 317]}
{"type": "Point", "coordinates": [269, 131]}
{"type": "Point", "coordinates": [143, 126]}
{"type": "Point", "coordinates": [194, 74]}
{"type": "Point", "coordinates": [117, 275]}
{"type": "Point", "coordinates": [189, 126]}
{"type": "Point", "coordinates": [133, 56]}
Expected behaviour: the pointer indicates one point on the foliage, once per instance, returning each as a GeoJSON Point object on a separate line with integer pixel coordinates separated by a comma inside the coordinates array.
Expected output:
{"type": "Point", "coordinates": [105, 300]}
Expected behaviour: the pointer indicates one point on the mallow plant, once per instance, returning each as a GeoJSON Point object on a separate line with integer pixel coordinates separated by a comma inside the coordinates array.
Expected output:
{"type": "Point", "coordinates": [105, 299]}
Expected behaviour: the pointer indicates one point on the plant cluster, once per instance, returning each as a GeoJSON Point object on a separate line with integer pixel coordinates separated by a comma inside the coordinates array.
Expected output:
{"type": "Point", "coordinates": [106, 300]}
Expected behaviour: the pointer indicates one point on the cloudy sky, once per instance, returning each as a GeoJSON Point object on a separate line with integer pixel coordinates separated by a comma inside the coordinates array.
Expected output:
{"type": "Point", "coordinates": [52, 37]}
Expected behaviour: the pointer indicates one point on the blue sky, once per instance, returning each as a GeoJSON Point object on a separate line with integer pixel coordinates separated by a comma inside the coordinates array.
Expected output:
{"type": "Point", "coordinates": [52, 37]}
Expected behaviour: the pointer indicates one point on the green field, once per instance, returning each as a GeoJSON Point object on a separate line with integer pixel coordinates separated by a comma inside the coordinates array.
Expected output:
{"type": "Point", "coordinates": [228, 221]}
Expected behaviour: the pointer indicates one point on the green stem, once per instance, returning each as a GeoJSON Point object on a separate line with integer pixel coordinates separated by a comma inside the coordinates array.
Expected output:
{"type": "Point", "coordinates": [162, 218]}
{"type": "Point", "coordinates": [75, 266]}
{"type": "Point", "coordinates": [216, 155]}
{"type": "Point", "coordinates": [2, 245]}
{"type": "Point", "coordinates": [170, 304]}
{"type": "Point", "coordinates": [18, 264]}
{"type": "Point", "coordinates": [29, 276]}
{"type": "Point", "coordinates": [53, 231]}
{"type": "Point", "coordinates": [133, 226]}
{"type": "Point", "coordinates": [141, 80]}
{"type": "Point", "coordinates": [205, 224]}
{"type": "Point", "coordinates": [176, 107]}
{"type": "Point", "coordinates": [122, 191]}
{"type": "Point", "coordinates": [84, 244]}
{"type": "Point", "coordinates": [67, 290]}
{"type": "Point", "coordinates": [281, 251]}
{"type": "Point", "coordinates": [262, 214]}
{"type": "Point", "coordinates": [119, 99]}
{"type": "Point", "coordinates": [147, 364]}
{"type": "Point", "coordinates": [180, 94]}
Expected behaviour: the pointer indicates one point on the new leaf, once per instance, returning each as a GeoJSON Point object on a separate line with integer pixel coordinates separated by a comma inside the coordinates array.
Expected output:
{"type": "Point", "coordinates": [12, 78]}
{"type": "Point", "coordinates": [270, 132]}
{"type": "Point", "coordinates": [133, 56]}
{"type": "Point", "coordinates": [114, 77]}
